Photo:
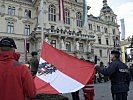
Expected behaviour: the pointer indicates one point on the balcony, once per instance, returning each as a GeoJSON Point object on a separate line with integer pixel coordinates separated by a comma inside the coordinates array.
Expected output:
{"type": "Point", "coordinates": [67, 34]}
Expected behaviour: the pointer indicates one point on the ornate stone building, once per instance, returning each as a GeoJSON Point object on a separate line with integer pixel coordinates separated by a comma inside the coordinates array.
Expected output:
{"type": "Point", "coordinates": [106, 32]}
{"type": "Point", "coordinates": [37, 20]}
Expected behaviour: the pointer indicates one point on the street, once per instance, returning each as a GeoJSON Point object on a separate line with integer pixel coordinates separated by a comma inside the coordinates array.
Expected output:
{"type": "Point", "coordinates": [102, 92]}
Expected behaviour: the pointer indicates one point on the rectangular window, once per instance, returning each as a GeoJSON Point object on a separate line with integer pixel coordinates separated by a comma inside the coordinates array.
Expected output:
{"type": "Point", "coordinates": [107, 41]}
{"type": "Point", "coordinates": [98, 28]}
{"type": "Point", "coordinates": [113, 30]}
{"type": "Point", "coordinates": [105, 30]}
{"type": "Point", "coordinates": [90, 26]}
{"type": "Point", "coordinates": [52, 29]}
{"type": "Point", "coordinates": [27, 13]}
{"type": "Point", "coordinates": [100, 52]}
{"type": "Point", "coordinates": [10, 27]}
{"type": "Point", "coordinates": [99, 40]}
{"type": "Point", "coordinates": [53, 43]}
{"type": "Point", "coordinates": [13, 10]}
{"type": "Point", "coordinates": [27, 30]}
{"type": "Point", "coordinates": [68, 46]}
{"type": "Point", "coordinates": [92, 51]}
{"type": "Point", "coordinates": [9, 10]}
{"type": "Point", "coordinates": [81, 47]}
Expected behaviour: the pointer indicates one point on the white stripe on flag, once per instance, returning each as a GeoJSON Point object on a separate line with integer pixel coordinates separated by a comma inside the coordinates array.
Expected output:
{"type": "Point", "coordinates": [60, 81]}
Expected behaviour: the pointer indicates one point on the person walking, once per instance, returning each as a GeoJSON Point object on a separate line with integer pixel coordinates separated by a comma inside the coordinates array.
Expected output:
{"type": "Point", "coordinates": [34, 63]}
{"type": "Point", "coordinates": [119, 76]}
{"type": "Point", "coordinates": [16, 82]}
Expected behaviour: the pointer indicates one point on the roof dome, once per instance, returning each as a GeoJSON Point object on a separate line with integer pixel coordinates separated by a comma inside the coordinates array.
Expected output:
{"type": "Point", "coordinates": [106, 8]}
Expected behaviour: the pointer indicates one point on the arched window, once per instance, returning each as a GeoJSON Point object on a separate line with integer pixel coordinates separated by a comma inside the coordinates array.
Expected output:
{"type": "Point", "coordinates": [52, 13]}
{"type": "Point", "coordinates": [67, 16]}
{"type": "Point", "coordinates": [79, 19]}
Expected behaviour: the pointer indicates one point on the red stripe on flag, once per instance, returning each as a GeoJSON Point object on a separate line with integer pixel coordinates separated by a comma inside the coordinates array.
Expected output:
{"type": "Point", "coordinates": [77, 69]}
{"type": "Point", "coordinates": [43, 87]}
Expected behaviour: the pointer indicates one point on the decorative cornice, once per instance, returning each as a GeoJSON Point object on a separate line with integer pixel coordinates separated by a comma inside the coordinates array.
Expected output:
{"type": "Point", "coordinates": [10, 19]}
{"type": "Point", "coordinates": [27, 22]}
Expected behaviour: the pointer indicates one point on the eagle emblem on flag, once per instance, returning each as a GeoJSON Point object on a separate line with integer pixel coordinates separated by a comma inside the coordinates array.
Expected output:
{"type": "Point", "coordinates": [46, 68]}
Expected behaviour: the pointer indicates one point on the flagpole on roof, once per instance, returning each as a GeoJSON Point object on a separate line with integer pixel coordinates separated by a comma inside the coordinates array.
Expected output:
{"type": "Point", "coordinates": [42, 22]}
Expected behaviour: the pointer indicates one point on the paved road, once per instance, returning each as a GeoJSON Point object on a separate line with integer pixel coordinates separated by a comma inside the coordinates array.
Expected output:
{"type": "Point", "coordinates": [102, 92]}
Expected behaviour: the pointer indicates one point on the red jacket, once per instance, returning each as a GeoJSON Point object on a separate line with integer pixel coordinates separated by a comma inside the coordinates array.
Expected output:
{"type": "Point", "coordinates": [16, 81]}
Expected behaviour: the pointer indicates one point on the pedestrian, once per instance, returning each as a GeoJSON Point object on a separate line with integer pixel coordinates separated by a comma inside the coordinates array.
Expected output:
{"type": "Point", "coordinates": [100, 76]}
{"type": "Point", "coordinates": [119, 76]}
{"type": "Point", "coordinates": [16, 82]}
{"type": "Point", "coordinates": [131, 71]}
{"type": "Point", "coordinates": [75, 95]}
{"type": "Point", "coordinates": [34, 63]}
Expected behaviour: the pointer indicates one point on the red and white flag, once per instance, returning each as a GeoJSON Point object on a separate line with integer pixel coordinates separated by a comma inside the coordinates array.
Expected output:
{"type": "Point", "coordinates": [59, 72]}
{"type": "Point", "coordinates": [61, 10]}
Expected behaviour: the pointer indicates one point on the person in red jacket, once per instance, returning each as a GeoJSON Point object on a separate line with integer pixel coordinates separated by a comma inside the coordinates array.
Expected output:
{"type": "Point", "coordinates": [88, 90]}
{"type": "Point", "coordinates": [16, 82]}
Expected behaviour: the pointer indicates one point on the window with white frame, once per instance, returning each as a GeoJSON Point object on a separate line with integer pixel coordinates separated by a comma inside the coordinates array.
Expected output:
{"type": "Point", "coordinates": [79, 19]}
{"type": "Point", "coordinates": [11, 10]}
{"type": "Point", "coordinates": [67, 17]}
{"type": "Point", "coordinates": [27, 30]}
{"type": "Point", "coordinates": [52, 13]}
{"type": "Point", "coordinates": [10, 27]}
{"type": "Point", "coordinates": [68, 46]}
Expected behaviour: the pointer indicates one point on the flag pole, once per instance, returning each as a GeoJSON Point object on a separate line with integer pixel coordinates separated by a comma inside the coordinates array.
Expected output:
{"type": "Point", "coordinates": [42, 22]}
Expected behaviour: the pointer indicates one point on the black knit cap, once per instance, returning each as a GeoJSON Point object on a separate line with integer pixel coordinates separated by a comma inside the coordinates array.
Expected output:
{"type": "Point", "coordinates": [8, 42]}
{"type": "Point", "coordinates": [115, 52]}
{"type": "Point", "coordinates": [34, 53]}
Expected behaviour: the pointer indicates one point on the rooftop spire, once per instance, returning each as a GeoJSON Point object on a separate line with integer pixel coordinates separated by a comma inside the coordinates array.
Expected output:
{"type": "Point", "coordinates": [105, 3]}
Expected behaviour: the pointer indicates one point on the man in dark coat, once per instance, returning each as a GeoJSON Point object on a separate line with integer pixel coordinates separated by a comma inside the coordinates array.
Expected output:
{"type": "Point", "coordinates": [34, 63]}
{"type": "Point", "coordinates": [119, 76]}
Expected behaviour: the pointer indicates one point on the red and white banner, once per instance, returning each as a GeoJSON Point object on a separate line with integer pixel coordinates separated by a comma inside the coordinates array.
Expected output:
{"type": "Point", "coordinates": [59, 72]}
{"type": "Point", "coordinates": [61, 10]}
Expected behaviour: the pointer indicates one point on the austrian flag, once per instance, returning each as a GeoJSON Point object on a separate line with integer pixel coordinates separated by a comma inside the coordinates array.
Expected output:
{"type": "Point", "coordinates": [59, 72]}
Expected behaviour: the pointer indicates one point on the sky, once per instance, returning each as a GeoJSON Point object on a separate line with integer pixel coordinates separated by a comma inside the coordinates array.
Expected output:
{"type": "Point", "coordinates": [122, 8]}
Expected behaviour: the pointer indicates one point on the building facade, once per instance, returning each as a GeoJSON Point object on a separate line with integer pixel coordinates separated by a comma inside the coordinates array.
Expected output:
{"type": "Point", "coordinates": [31, 21]}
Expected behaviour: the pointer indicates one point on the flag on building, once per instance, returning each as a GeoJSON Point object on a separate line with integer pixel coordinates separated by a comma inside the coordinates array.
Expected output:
{"type": "Point", "coordinates": [61, 10]}
{"type": "Point", "coordinates": [84, 13]}
{"type": "Point", "coordinates": [122, 29]}
{"type": "Point", "coordinates": [59, 72]}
